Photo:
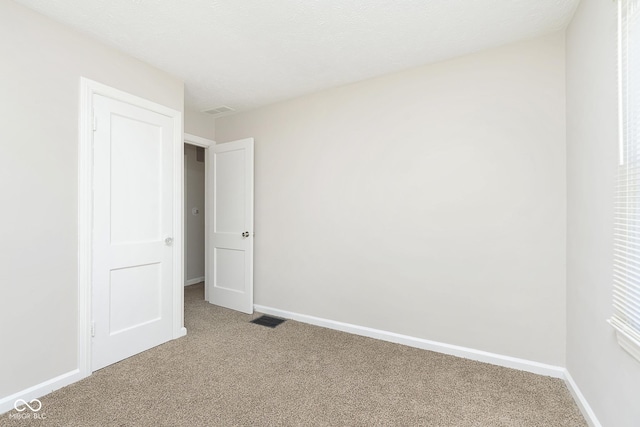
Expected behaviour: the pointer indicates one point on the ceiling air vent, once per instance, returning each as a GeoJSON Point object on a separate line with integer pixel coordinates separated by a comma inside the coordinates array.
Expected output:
{"type": "Point", "coordinates": [218, 110]}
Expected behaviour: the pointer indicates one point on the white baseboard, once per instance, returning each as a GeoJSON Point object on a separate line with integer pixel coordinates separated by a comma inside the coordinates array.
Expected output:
{"type": "Point", "coordinates": [454, 350]}
{"type": "Point", "coordinates": [581, 401]}
{"type": "Point", "coordinates": [39, 390]}
{"type": "Point", "coordinates": [193, 281]}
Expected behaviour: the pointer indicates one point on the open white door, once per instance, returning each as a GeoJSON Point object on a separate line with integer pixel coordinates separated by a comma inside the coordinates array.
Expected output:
{"type": "Point", "coordinates": [230, 215]}
{"type": "Point", "coordinates": [133, 252]}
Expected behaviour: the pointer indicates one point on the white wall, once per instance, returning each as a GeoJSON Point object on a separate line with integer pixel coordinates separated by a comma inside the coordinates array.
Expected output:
{"type": "Point", "coordinates": [429, 202]}
{"type": "Point", "coordinates": [42, 62]}
{"type": "Point", "coordinates": [606, 375]}
{"type": "Point", "coordinates": [199, 124]}
{"type": "Point", "coordinates": [194, 224]}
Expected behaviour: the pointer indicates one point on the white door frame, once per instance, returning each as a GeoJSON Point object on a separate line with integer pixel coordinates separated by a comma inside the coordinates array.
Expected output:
{"type": "Point", "coordinates": [208, 196]}
{"type": "Point", "coordinates": [88, 88]}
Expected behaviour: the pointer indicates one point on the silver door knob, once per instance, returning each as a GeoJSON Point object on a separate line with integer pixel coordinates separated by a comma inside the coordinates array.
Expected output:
{"type": "Point", "coordinates": [168, 241]}
{"type": "Point", "coordinates": [245, 234]}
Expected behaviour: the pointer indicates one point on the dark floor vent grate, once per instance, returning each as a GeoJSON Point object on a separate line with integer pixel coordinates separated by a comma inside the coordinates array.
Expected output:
{"type": "Point", "coordinates": [268, 321]}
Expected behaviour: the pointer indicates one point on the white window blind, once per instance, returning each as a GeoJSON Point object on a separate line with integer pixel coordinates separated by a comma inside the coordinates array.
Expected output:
{"type": "Point", "coordinates": [626, 289]}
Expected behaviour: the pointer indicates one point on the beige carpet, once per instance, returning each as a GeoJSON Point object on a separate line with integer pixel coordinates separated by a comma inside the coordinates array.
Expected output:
{"type": "Point", "coordinates": [229, 372]}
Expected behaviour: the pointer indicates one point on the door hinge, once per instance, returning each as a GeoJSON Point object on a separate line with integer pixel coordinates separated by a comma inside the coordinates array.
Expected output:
{"type": "Point", "coordinates": [95, 123]}
{"type": "Point", "coordinates": [93, 329]}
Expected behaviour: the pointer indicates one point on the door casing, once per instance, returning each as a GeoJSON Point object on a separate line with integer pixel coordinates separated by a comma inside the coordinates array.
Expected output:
{"type": "Point", "coordinates": [88, 88]}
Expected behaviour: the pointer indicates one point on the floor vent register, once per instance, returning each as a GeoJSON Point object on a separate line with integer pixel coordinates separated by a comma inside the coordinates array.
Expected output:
{"type": "Point", "coordinates": [268, 321]}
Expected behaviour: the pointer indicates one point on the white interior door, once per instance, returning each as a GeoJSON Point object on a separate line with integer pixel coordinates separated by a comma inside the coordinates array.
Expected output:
{"type": "Point", "coordinates": [230, 215]}
{"type": "Point", "coordinates": [132, 279]}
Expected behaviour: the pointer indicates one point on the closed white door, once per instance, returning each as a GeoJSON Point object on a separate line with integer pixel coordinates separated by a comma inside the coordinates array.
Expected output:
{"type": "Point", "coordinates": [132, 278]}
{"type": "Point", "coordinates": [230, 213]}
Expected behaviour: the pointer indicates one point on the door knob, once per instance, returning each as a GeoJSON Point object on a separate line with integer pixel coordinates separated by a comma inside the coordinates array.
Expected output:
{"type": "Point", "coordinates": [245, 234]}
{"type": "Point", "coordinates": [168, 241]}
